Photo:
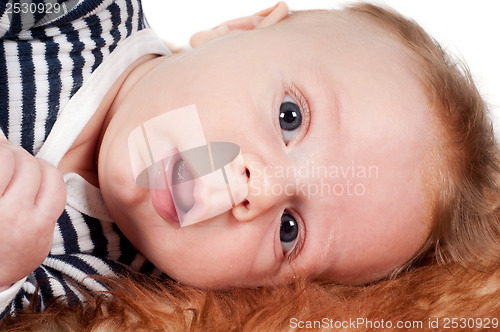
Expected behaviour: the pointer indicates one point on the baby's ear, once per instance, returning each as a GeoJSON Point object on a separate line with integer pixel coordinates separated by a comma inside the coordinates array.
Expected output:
{"type": "Point", "coordinates": [261, 19]}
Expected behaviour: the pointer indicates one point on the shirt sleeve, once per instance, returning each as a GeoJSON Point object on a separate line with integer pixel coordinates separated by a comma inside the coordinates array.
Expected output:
{"type": "Point", "coordinates": [17, 16]}
{"type": "Point", "coordinates": [7, 296]}
{"type": "Point", "coordinates": [4, 20]}
{"type": "Point", "coordinates": [84, 244]}
{"type": "Point", "coordinates": [60, 276]}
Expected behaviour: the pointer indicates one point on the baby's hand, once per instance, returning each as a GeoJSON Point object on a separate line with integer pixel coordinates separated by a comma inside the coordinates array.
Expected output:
{"type": "Point", "coordinates": [32, 197]}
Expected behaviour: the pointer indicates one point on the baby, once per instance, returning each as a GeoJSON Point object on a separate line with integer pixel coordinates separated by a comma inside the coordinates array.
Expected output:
{"type": "Point", "coordinates": [362, 148]}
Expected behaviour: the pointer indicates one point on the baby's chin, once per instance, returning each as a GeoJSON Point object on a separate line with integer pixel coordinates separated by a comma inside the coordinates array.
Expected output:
{"type": "Point", "coordinates": [126, 202]}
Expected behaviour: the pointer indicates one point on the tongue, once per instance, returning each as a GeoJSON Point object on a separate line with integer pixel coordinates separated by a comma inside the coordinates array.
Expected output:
{"type": "Point", "coordinates": [182, 189]}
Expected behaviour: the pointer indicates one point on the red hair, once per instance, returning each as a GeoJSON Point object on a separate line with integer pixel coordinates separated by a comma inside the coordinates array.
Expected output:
{"type": "Point", "coordinates": [146, 304]}
{"type": "Point", "coordinates": [464, 185]}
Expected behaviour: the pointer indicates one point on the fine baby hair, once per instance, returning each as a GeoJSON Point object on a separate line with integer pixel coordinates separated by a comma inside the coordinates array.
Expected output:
{"type": "Point", "coordinates": [464, 187]}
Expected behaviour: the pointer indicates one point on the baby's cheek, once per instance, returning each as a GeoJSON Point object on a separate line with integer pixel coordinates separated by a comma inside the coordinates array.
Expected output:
{"type": "Point", "coordinates": [215, 262]}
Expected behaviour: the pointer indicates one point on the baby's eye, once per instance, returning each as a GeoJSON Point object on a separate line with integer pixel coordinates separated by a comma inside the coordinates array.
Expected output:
{"type": "Point", "coordinates": [290, 117]}
{"type": "Point", "coordinates": [289, 231]}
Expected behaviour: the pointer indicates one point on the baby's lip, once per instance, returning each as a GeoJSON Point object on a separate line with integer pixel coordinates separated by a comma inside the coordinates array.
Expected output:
{"type": "Point", "coordinates": [161, 196]}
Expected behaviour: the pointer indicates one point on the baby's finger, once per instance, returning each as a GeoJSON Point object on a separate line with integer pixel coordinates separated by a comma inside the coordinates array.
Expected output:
{"type": "Point", "coordinates": [25, 181]}
{"type": "Point", "coordinates": [6, 167]}
{"type": "Point", "coordinates": [51, 197]}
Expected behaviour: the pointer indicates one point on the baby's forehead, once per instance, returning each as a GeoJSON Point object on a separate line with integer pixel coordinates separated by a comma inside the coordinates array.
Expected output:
{"type": "Point", "coordinates": [329, 21]}
{"type": "Point", "coordinates": [321, 33]}
{"type": "Point", "coordinates": [328, 27]}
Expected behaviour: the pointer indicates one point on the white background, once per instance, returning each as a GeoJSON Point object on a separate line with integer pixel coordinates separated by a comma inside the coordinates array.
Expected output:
{"type": "Point", "coordinates": [468, 29]}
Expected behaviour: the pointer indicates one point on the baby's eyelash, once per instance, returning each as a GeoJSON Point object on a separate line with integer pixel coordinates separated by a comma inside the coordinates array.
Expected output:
{"type": "Point", "coordinates": [298, 244]}
{"type": "Point", "coordinates": [303, 103]}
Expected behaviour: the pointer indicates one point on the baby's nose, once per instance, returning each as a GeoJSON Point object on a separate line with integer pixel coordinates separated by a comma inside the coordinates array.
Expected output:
{"type": "Point", "coordinates": [208, 181]}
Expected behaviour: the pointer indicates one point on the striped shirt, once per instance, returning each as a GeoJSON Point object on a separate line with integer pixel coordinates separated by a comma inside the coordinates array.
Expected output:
{"type": "Point", "coordinates": [44, 68]}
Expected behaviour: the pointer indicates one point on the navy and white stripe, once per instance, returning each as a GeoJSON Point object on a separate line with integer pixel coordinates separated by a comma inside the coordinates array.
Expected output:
{"type": "Point", "coordinates": [51, 62]}
{"type": "Point", "coordinates": [41, 68]}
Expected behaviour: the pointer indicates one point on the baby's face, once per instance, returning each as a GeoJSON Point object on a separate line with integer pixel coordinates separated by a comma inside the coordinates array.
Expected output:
{"type": "Point", "coordinates": [336, 195]}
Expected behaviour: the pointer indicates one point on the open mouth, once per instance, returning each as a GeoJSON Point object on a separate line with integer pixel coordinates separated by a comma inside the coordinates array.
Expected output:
{"type": "Point", "coordinates": [182, 186]}
{"type": "Point", "coordinates": [195, 185]}
{"type": "Point", "coordinates": [172, 189]}
{"type": "Point", "coordinates": [188, 178]}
